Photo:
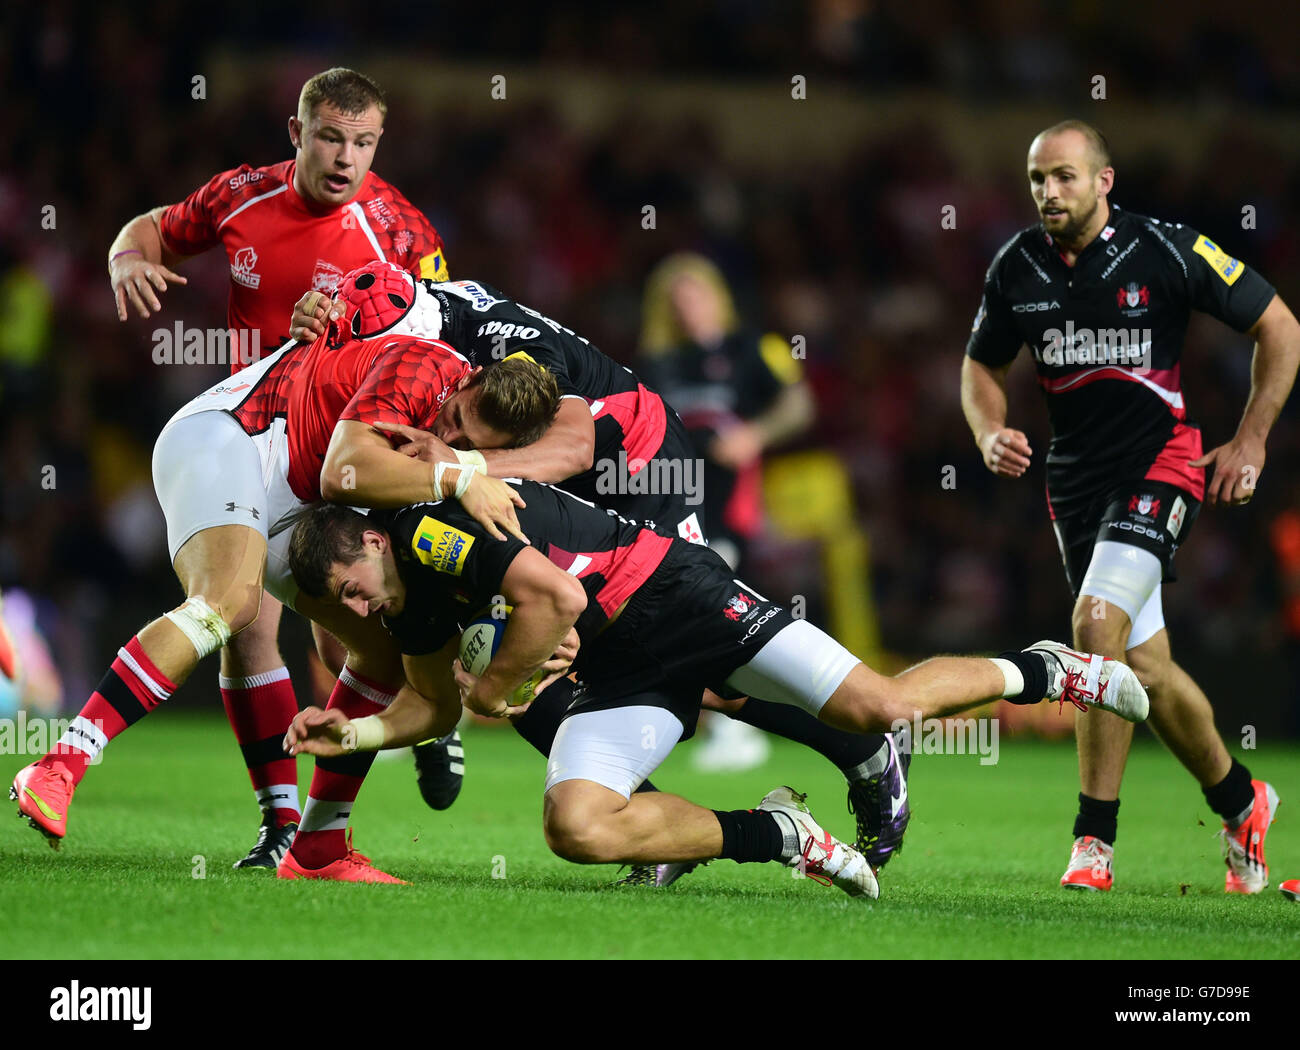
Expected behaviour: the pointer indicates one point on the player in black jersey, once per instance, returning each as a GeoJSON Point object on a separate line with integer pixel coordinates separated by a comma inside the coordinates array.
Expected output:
{"type": "Point", "coordinates": [614, 443]}
{"type": "Point", "coordinates": [658, 619]}
{"type": "Point", "coordinates": [1102, 299]}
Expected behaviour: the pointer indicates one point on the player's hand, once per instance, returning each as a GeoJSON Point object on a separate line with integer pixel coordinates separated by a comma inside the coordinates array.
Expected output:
{"type": "Point", "coordinates": [318, 732]}
{"type": "Point", "coordinates": [1237, 467]}
{"type": "Point", "coordinates": [1006, 452]}
{"type": "Point", "coordinates": [558, 665]}
{"type": "Point", "coordinates": [492, 504]}
{"type": "Point", "coordinates": [737, 446]}
{"type": "Point", "coordinates": [473, 698]}
{"type": "Point", "coordinates": [420, 444]}
{"type": "Point", "coordinates": [136, 280]}
{"type": "Point", "coordinates": [311, 315]}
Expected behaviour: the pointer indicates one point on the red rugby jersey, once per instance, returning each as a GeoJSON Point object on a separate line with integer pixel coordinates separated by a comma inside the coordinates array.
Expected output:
{"type": "Point", "coordinates": [391, 379]}
{"type": "Point", "coordinates": [280, 245]}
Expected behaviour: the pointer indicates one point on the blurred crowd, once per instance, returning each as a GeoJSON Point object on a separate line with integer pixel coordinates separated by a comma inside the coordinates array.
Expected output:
{"type": "Point", "coordinates": [849, 254]}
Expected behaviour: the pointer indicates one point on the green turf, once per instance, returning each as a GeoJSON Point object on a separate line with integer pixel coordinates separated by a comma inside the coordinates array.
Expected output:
{"type": "Point", "coordinates": [977, 879]}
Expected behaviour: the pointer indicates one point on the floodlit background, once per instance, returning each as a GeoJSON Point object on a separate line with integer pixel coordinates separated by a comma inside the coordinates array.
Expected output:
{"type": "Point", "coordinates": [823, 212]}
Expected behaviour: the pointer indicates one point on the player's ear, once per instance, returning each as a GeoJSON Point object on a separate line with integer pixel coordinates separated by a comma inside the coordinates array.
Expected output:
{"type": "Point", "coordinates": [295, 132]}
{"type": "Point", "coordinates": [374, 541]}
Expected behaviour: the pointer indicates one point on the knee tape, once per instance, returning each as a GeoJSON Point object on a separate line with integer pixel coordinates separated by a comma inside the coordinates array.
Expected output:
{"type": "Point", "coordinates": [201, 624]}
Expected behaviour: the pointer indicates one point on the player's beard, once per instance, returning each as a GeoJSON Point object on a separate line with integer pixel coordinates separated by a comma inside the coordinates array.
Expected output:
{"type": "Point", "coordinates": [1074, 228]}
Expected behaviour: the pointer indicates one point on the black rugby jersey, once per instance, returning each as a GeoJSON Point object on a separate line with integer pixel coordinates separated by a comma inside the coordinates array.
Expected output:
{"type": "Point", "coordinates": [1107, 338]}
{"type": "Point", "coordinates": [453, 569]}
{"type": "Point", "coordinates": [630, 418]}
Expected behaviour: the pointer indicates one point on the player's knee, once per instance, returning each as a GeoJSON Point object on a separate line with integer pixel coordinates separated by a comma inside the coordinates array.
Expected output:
{"type": "Point", "coordinates": [1098, 634]}
{"type": "Point", "coordinates": [575, 838]}
{"type": "Point", "coordinates": [1152, 671]}
{"type": "Point", "coordinates": [873, 709]}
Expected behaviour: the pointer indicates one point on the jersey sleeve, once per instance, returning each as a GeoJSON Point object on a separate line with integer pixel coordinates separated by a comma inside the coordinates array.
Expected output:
{"type": "Point", "coordinates": [407, 384]}
{"type": "Point", "coordinates": [994, 340]}
{"type": "Point", "coordinates": [453, 569]}
{"type": "Point", "coordinates": [1220, 285]}
{"type": "Point", "coordinates": [420, 247]}
{"type": "Point", "coordinates": [190, 227]}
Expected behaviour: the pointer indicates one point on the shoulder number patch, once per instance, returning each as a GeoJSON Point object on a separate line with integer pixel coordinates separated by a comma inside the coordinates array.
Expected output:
{"type": "Point", "coordinates": [1220, 261]}
{"type": "Point", "coordinates": [440, 546]}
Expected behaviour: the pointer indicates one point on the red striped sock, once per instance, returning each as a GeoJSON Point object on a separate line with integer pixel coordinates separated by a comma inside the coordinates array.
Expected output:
{"type": "Point", "coordinates": [260, 709]}
{"type": "Point", "coordinates": [131, 689]}
{"type": "Point", "coordinates": [321, 837]}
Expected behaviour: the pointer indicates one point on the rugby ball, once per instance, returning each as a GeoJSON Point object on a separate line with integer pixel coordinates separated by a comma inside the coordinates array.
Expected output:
{"type": "Point", "coordinates": [479, 643]}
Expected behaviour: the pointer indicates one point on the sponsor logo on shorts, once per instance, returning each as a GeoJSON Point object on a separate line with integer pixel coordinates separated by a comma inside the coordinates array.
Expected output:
{"type": "Point", "coordinates": [441, 547]}
{"type": "Point", "coordinates": [738, 606]}
{"type": "Point", "coordinates": [757, 624]}
{"type": "Point", "coordinates": [1176, 515]}
{"type": "Point", "coordinates": [1136, 529]}
{"type": "Point", "coordinates": [243, 268]}
{"type": "Point", "coordinates": [1144, 507]}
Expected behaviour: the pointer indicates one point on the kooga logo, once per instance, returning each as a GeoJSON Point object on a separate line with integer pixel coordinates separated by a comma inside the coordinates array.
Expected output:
{"type": "Point", "coordinates": [102, 1004]}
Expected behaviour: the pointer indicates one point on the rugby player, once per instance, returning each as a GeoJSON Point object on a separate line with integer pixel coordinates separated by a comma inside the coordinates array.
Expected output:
{"type": "Point", "coordinates": [1102, 297]}
{"type": "Point", "coordinates": [616, 443]}
{"type": "Point", "coordinates": [231, 469]}
{"type": "Point", "coordinates": [659, 619]}
{"type": "Point", "coordinates": [299, 223]}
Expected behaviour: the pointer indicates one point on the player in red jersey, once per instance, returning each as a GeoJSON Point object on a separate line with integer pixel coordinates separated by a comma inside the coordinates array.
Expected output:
{"type": "Point", "coordinates": [232, 469]}
{"type": "Point", "coordinates": [299, 223]}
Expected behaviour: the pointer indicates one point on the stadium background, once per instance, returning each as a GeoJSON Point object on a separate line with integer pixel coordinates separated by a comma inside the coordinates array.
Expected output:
{"type": "Point", "coordinates": [824, 213]}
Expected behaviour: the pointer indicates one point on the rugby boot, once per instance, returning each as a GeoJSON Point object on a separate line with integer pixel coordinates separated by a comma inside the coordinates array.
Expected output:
{"type": "Point", "coordinates": [1243, 846]}
{"type": "Point", "coordinates": [440, 769]}
{"type": "Point", "coordinates": [1090, 865]}
{"type": "Point", "coordinates": [43, 794]}
{"type": "Point", "coordinates": [879, 804]}
{"type": "Point", "coordinates": [271, 845]}
{"type": "Point", "coordinates": [351, 867]}
{"type": "Point", "coordinates": [821, 856]}
{"type": "Point", "coordinates": [1090, 680]}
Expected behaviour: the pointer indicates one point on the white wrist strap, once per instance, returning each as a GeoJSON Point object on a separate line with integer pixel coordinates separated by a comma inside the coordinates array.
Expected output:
{"type": "Point", "coordinates": [472, 458]}
{"type": "Point", "coordinates": [462, 483]}
{"type": "Point", "coordinates": [367, 734]}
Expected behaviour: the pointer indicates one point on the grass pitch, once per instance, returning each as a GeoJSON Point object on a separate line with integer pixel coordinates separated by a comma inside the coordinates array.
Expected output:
{"type": "Point", "coordinates": [978, 877]}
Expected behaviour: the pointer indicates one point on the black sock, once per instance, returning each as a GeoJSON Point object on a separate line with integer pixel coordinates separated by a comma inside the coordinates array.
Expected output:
{"type": "Point", "coordinates": [1033, 668]}
{"type": "Point", "coordinates": [1233, 795]}
{"type": "Point", "coordinates": [539, 724]}
{"type": "Point", "coordinates": [749, 835]}
{"type": "Point", "coordinates": [846, 750]}
{"type": "Point", "coordinates": [1097, 818]}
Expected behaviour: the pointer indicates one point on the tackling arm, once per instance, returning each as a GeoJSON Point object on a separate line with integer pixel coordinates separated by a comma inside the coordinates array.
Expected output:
{"type": "Point", "coordinates": [566, 449]}
{"type": "Point", "coordinates": [547, 602]}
